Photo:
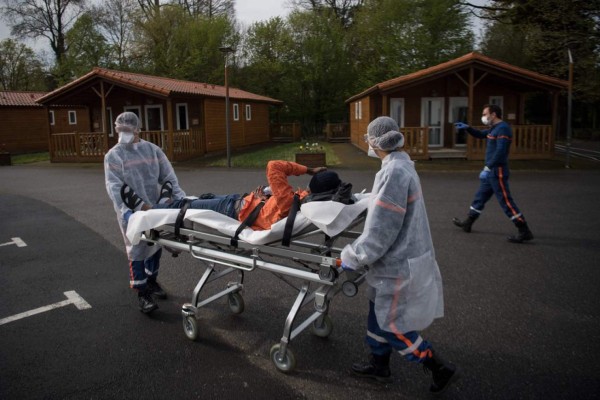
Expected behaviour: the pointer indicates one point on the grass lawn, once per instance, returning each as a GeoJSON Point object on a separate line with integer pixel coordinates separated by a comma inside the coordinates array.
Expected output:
{"type": "Point", "coordinates": [259, 157]}
{"type": "Point", "coordinates": [29, 158]}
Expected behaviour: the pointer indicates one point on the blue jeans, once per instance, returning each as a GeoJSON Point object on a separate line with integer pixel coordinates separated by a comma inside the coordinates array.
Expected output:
{"type": "Point", "coordinates": [223, 204]}
{"type": "Point", "coordinates": [409, 345]}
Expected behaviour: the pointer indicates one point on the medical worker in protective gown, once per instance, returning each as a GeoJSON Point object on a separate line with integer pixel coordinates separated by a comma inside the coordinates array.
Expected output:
{"type": "Point", "coordinates": [404, 282]}
{"type": "Point", "coordinates": [144, 168]}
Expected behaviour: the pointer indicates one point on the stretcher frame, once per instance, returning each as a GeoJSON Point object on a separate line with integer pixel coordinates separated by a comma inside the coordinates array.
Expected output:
{"type": "Point", "coordinates": [318, 268]}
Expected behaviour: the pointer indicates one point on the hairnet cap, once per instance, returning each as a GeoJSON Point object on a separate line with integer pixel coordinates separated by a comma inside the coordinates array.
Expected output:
{"type": "Point", "coordinates": [127, 122]}
{"type": "Point", "coordinates": [383, 133]}
{"type": "Point", "coordinates": [324, 181]}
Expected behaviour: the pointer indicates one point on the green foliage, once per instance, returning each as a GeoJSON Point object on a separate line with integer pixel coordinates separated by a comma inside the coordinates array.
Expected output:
{"type": "Point", "coordinates": [20, 69]}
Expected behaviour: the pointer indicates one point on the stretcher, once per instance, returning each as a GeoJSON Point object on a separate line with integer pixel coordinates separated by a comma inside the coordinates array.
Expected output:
{"type": "Point", "coordinates": [311, 259]}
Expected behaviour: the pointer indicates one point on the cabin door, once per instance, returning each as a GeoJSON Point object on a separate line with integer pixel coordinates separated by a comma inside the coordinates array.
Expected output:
{"type": "Point", "coordinates": [432, 115]}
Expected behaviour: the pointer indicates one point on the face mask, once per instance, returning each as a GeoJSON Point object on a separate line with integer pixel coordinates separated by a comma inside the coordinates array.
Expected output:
{"type": "Point", "coordinates": [371, 152]}
{"type": "Point", "coordinates": [125, 137]}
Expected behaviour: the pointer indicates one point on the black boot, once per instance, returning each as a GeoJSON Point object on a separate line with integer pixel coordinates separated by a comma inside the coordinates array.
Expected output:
{"type": "Point", "coordinates": [443, 374]}
{"type": "Point", "coordinates": [466, 224]}
{"type": "Point", "coordinates": [146, 302]}
{"type": "Point", "coordinates": [154, 289]}
{"type": "Point", "coordinates": [523, 235]}
{"type": "Point", "coordinates": [378, 368]}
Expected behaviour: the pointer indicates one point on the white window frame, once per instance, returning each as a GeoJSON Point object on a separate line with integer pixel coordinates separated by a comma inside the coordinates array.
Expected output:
{"type": "Point", "coordinates": [110, 124]}
{"type": "Point", "coordinates": [236, 112]}
{"type": "Point", "coordinates": [74, 114]}
{"type": "Point", "coordinates": [160, 109]}
{"type": "Point", "coordinates": [248, 112]}
{"type": "Point", "coordinates": [358, 110]}
{"type": "Point", "coordinates": [51, 117]}
{"type": "Point", "coordinates": [187, 118]}
{"type": "Point", "coordinates": [139, 113]}
{"type": "Point", "coordinates": [400, 118]}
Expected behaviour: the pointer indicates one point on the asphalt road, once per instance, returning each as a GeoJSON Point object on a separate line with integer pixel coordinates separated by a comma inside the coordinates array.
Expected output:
{"type": "Point", "coordinates": [522, 321]}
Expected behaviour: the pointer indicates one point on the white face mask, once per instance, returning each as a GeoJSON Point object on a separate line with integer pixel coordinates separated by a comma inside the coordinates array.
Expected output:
{"type": "Point", "coordinates": [371, 152]}
{"type": "Point", "coordinates": [125, 137]}
{"type": "Point", "coordinates": [485, 120]}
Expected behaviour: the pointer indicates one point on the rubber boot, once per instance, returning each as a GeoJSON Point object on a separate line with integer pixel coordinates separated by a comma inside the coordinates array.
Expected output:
{"type": "Point", "coordinates": [146, 302]}
{"type": "Point", "coordinates": [523, 235]}
{"type": "Point", "coordinates": [466, 224]}
{"type": "Point", "coordinates": [378, 368]}
{"type": "Point", "coordinates": [443, 374]}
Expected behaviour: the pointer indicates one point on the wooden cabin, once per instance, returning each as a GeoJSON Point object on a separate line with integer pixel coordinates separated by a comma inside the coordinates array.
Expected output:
{"type": "Point", "coordinates": [426, 103]}
{"type": "Point", "coordinates": [187, 119]}
{"type": "Point", "coordinates": [26, 124]}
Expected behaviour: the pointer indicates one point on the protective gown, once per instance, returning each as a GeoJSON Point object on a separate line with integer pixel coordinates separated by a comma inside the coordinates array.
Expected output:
{"type": "Point", "coordinates": [145, 168]}
{"type": "Point", "coordinates": [403, 277]}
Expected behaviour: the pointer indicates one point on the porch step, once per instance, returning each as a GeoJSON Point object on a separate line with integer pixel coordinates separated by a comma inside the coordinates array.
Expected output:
{"type": "Point", "coordinates": [447, 153]}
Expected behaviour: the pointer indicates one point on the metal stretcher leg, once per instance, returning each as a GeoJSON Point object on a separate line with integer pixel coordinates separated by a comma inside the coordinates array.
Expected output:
{"type": "Point", "coordinates": [190, 311]}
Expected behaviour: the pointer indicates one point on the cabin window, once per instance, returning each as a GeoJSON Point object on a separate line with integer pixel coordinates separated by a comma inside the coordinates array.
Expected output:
{"type": "Point", "coordinates": [358, 110]}
{"type": "Point", "coordinates": [51, 117]}
{"type": "Point", "coordinates": [110, 126]}
{"type": "Point", "coordinates": [497, 100]}
{"type": "Point", "coordinates": [236, 112]}
{"type": "Point", "coordinates": [182, 116]}
{"type": "Point", "coordinates": [72, 117]}
{"type": "Point", "coordinates": [248, 112]}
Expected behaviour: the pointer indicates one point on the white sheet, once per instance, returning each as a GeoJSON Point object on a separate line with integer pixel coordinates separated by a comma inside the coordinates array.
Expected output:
{"type": "Point", "coordinates": [329, 216]}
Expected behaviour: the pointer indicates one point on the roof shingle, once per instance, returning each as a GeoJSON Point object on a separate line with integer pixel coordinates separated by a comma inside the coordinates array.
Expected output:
{"type": "Point", "coordinates": [20, 98]}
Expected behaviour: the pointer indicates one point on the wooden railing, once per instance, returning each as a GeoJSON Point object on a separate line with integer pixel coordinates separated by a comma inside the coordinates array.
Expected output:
{"type": "Point", "coordinates": [289, 132]}
{"type": "Point", "coordinates": [91, 147]}
{"type": "Point", "coordinates": [337, 132]}
{"type": "Point", "coordinates": [77, 147]}
{"type": "Point", "coordinates": [529, 142]}
{"type": "Point", "coordinates": [416, 142]}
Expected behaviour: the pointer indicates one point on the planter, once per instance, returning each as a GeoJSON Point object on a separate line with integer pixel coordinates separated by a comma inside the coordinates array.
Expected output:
{"type": "Point", "coordinates": [311, 159]}
{"type": "Point", "coordinates": [5, 159]}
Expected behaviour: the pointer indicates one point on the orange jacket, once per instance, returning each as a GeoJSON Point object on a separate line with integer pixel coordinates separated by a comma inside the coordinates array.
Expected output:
{"type": "Point", "coordinates": [278, 205]}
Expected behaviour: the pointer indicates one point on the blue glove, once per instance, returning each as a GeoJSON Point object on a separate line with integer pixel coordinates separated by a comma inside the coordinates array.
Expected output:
{"type": "Point", "coordinates": [345, 267]}
{"type": "Point", "coordinates": [485, 173]}
{"type": "Point", "coordinates": [127, 215]}
{"type": "Point", "coordinates": [460, 125]}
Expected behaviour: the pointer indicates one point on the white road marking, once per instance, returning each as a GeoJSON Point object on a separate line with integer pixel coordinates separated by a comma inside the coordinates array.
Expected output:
{"type": "Point", "coordinates": [17, 241]}
{"type": "Point", "coordinates": [72, 298]}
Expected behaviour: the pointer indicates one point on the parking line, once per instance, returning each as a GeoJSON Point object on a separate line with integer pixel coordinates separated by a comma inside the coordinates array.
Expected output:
{"type": "Point", "coordinates": [72, 298]}
{"type": "Point", "coordinates": [17, 241]}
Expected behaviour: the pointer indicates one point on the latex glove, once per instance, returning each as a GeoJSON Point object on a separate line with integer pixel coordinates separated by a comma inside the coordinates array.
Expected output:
{"type": "Point", "coordinates": [127, 215]}
{"type": "Point", "coordinates": [485, 173]}
{"type": "Point", "coordinates": [460, 125]}
{"type": "Point", "coordinates": [345, 267]}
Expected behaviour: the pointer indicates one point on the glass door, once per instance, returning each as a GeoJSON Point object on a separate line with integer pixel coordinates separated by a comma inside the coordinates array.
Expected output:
{"type": "Point", "coordinates": [432, 115]}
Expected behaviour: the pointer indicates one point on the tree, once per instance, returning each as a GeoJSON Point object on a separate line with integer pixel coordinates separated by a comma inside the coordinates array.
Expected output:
{"type": "Point", "coordinates": [19, 67]}
{"type": "Point", "coordinates": [87, 48]}
{"type": "Point", "coordinates": [344, 10]}
{"type": "Point", "coordinates": [43, 18]}
{"type": "Point", "coordinates": [116, 21]}
{"type": "Point", "coordinates": [209, 8]}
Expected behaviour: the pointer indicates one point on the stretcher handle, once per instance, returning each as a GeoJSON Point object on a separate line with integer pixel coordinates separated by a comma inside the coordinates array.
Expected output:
{"type": "Point", "coordinates": [212, 260]}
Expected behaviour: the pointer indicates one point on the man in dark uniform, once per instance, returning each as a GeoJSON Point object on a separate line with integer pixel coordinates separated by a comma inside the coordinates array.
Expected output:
{"type": "Point", "coordinates": [494, 176]}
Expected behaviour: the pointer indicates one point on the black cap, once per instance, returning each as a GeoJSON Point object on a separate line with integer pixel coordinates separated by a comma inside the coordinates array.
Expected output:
{"type": "Point", "coordinates": [324, 181]}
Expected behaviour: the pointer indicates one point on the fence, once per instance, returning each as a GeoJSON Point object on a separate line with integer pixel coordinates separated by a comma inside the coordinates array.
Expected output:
{"type": "Point", "coordinates": [179, 145]}
{"type": "Point", "coordinates": [290, 132]}
{"type": "Point", "coordinates": [416, 142]}
{"type": "Point", "coordinates": [529, 142]}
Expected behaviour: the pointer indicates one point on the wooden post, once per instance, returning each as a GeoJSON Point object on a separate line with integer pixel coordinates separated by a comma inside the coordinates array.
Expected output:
{"type": "Point", "coordinates": [170, 141]}
{"type": "Point", "coordinates": [103, 113]}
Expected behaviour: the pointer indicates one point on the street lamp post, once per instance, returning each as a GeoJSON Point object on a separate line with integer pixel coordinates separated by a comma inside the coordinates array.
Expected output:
{"type": "Point", "coordinates": [226, 51]}
{"type": "Point", "coordinates": [569, 111]}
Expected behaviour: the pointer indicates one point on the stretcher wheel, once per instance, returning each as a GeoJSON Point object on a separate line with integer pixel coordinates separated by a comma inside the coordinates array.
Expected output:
{"type": "Point", "coordinates": [190, 327]}
{"type": "Point", "coordinates": [287, 364]}
{"type": "Point", "coordinates": [236, 303]}
{"type": "Point", "coordinates": [324, 328]}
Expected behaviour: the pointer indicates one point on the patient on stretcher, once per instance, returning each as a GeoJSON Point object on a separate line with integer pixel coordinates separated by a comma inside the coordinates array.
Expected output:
{"type": "Point", "coordinates": [265, 205]}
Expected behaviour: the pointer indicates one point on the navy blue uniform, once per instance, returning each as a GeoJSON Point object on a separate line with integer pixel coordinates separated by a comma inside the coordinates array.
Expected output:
{"type": "Point", "coordinates": [499, 138]}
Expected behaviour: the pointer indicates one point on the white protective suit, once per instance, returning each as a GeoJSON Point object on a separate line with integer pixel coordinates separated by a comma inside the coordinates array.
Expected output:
{"type": "Point", "coordinates": [403, 277]}
{"type": "Point", "coordinates": [145, 168]}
